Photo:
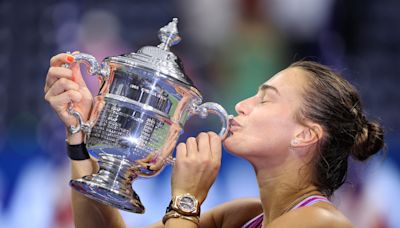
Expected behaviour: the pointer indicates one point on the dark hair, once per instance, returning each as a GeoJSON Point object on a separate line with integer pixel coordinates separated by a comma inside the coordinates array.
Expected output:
{"type": "Point", "coordinates": [334, 103]}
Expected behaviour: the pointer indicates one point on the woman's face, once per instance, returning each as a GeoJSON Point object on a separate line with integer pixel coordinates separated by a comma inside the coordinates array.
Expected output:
{"type": "Point", "coordinates": [265, 124]}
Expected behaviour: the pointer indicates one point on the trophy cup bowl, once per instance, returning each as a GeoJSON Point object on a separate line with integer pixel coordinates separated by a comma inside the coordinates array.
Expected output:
{"type": "Point", "coordinates": [144, 101]}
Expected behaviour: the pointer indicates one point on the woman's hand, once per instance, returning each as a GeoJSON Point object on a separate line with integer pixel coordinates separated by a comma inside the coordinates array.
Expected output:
{"type": "Point", "coordinates": [197, 165]}
{"type": "Point", "coordinates": [64, 86]}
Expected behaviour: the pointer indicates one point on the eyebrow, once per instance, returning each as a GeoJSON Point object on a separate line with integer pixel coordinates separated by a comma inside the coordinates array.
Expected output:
{"type": "Point", "coordinates": [265, 87]}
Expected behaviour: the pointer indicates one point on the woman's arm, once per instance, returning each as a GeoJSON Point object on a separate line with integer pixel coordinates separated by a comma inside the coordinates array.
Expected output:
{"type": "Point", "coordinates": [231, 214]}
{"type": "Point", "coordinates": [64, 86]}
{"type": "Point", "coordinates": [87, 212]}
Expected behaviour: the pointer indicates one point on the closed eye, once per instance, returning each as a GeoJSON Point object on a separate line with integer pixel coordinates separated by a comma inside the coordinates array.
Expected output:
{"type": "Point", "coordinates": [264, 98]}
{"type": "Point", "coordinates": [264, 91]}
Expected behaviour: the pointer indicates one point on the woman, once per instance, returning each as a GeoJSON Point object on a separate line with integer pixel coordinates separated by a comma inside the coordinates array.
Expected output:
{"type": "Point", "coordinates": [298, 132]}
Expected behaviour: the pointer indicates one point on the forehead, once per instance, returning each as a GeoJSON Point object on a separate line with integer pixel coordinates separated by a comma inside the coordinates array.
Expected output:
{"type": "Point", "coordinates": [292, 79]}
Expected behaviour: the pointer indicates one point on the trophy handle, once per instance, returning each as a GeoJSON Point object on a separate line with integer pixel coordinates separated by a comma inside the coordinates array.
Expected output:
{"type": "Point", "coordinates": [210, 107]}
{"type": "Point", "coordinates": [93, 68]}
{"type": "Point", "coordinates": [203, 111]}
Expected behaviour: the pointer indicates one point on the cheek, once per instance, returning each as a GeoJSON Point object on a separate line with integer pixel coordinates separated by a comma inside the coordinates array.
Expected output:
{"type": "Point", "coordinates": [242, 144]}
{"type": "Point", "coordinates": [265, 133]}
{"type": "Point", "coordinates": [261, 144]}
{"type": "Point", "coordinates": [274, 124]}
{"type": "Point", "coordinates": [272, 136]}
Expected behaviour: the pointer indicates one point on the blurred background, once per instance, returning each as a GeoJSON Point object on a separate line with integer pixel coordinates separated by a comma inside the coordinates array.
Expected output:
{"type": "Point", "coordinates": [229, 47]}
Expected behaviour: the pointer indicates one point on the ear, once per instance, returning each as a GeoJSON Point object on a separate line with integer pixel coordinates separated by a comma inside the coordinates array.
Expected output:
{"type": "Point", "coordinates": [307, 135]}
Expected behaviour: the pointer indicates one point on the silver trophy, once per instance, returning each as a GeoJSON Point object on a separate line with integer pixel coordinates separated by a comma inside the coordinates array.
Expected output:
{"type": "Point", "coordinates": [144, 101]}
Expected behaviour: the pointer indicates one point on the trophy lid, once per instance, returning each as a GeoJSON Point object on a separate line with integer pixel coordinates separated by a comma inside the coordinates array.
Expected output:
{"type": "Point", "coordinates": [160, 58]}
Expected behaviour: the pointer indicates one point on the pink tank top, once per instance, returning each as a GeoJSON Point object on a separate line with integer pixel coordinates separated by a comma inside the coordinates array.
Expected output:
{"type": "Point", "coordinates": [257, 221]}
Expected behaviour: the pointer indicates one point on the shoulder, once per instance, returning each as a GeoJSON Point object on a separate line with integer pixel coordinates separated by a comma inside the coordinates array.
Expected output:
{"type": "Point", "coordinates": [232, 214]}
{"type": "Point", "coordinates": [318, 215]}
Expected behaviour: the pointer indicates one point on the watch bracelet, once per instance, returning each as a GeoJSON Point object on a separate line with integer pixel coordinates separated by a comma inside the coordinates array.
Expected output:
{"type": "Point", "coordinates": [175, 214]}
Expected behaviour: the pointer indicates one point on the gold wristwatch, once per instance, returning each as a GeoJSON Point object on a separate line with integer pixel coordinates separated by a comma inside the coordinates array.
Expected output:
{"type": "Point", "coordinates": [185, 204]}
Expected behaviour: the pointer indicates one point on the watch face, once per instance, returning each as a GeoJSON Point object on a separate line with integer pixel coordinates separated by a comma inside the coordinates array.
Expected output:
{"type": "Point", "coordinates": [187, 204]}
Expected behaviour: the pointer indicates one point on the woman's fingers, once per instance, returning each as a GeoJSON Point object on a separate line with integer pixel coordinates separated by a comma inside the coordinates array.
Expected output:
{"type": "Point", "coordinates": [61, 58]}
{"type": "Point", "coordinates": [60, 86]}
{"type": "Point", "coordinates": [209, 144]}
{"type": "Point", "coordinates": [54, 74]}
{"type": "Point", "coordinates": [181, 151]}
{"type": "Point", "coordinates": [191, 146]}
{"type": "Point", "coordinates": [204, 148]}
{"type": "Point", "coordinates": [215, 146]}
{"type": "Point", "coordinates": [197, 165]}
{"type": "Point", "coordinates": [59, 102]}
{"type": "Point", "coordinates": [205, 145]}
{"type": "Point", "coordinates": [56, 71]}
{"type": "Point", "coordinates": [77, 75]}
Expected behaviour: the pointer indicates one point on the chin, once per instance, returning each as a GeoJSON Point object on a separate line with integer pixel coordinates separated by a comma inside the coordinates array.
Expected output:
{"type": "Point", "coordinates": [231, 145]}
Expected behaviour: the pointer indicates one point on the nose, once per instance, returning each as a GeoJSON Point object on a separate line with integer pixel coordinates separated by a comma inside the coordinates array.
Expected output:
{"type": "Point", "coordinates": [243, 107]}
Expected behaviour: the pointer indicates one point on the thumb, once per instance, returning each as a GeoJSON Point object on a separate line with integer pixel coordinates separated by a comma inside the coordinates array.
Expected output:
{"type": "Point", "coordinates": [77, 75]}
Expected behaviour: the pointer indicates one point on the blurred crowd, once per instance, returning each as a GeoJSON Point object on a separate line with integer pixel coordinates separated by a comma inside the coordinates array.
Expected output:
{"type": "Point", "coordinates": [228, 49]}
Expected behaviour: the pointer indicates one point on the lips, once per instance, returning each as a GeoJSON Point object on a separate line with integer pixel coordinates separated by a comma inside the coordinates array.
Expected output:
{"type": "Point", "coordinates": [234, 125]}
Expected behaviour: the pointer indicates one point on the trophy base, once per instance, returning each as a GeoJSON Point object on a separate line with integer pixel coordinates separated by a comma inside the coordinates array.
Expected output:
{"type": "Point", "coordinates": [108, 197]}
{"type": "Point", "coordinates": [112, 185]}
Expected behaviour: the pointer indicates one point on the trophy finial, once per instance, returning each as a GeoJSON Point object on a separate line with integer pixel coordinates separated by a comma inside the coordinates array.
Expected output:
{"type": "Point", "coordinates": [169, 35]}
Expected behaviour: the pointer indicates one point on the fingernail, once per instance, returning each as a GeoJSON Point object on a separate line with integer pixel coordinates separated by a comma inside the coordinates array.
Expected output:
{"type": "Point", "coordinates": [70, 59]}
